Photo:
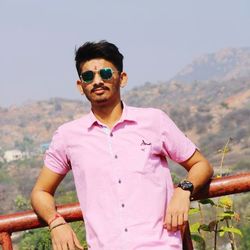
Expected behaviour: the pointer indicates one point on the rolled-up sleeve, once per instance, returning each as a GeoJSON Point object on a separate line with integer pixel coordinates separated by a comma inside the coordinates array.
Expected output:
{"type": "Point", "coordinates": [175, 144]}
{"type": "Point", "coordinates": [56, 158]}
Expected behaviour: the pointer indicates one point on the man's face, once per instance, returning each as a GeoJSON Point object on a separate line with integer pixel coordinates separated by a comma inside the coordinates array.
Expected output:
{"type": "Point", "coordinates": [101, 91]}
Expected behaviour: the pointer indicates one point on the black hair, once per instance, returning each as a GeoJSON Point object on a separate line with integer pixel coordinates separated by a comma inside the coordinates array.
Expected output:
{"type": "Point", "coordinates": [102, 50]}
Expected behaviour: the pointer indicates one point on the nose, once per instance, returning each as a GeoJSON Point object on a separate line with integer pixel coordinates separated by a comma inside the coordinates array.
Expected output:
{"type": "Point", "coordinates": [97, 78]}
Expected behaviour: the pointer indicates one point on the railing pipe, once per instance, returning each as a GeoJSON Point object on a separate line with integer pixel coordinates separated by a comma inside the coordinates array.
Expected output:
{"type": "Point", "coordinates": [5, 241]}
{"type": "Point", "coordinates": [29, 220]}
{"type": "Point", "coordinates": [227, 185]}
{"type": "Point", "coordinates": [71, 212]}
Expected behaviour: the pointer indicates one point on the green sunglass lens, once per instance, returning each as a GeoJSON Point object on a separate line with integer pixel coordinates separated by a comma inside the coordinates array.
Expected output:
{"type": "Point", "coordinates": [88, 76]}
{"type": "Point", "coordinates": [106, 73]}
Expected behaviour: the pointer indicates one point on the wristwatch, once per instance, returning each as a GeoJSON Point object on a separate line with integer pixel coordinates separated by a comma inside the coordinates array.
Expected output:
{"type": "Point", "coordinates": [186, 185]}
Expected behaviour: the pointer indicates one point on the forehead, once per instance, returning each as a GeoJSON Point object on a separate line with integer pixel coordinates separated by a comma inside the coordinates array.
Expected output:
{"type": "Point", "coordinates": [96, 64]}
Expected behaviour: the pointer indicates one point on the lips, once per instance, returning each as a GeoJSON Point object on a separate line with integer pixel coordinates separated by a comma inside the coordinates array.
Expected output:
{"type": "Point", "coordinates": [99, 89]}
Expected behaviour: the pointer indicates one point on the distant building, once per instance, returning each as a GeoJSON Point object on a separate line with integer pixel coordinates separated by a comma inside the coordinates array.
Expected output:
{"type": "Point", "coordinates": [1, 159]}
{"type": "Point", "coordinates": [13, 155]}
{"type": "Point", "coordinates": [44, 147]}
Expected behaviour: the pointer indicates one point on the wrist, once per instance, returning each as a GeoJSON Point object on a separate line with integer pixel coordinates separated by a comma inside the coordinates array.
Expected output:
{"type": "Point", "coordinates": [56, 223]}
{"type": "Point", "coordinates": [186, 186]}
{"type": "Point", "coordinates": [182, 191]}
{"type": "Point", "coordinates": [57, 218]}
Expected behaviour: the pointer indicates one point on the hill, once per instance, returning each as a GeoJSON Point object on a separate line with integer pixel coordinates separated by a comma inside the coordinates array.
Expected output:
{"type": "Point", "coordinates": [210, 112]}
{"type": "Point", "coordinates": [36, 121]}
{"type": "Point", "coordinates": [224, 65]}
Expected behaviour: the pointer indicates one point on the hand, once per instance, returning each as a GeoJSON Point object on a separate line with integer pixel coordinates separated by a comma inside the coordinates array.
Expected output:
{"type": "Point", "coordinates": [64, 238]}
{"type": "Point", "coordinates": [177, 210]}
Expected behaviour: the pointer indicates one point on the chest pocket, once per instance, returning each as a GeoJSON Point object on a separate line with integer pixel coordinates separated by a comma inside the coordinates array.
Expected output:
{"type": "Point", "coordinates": [139, 156]}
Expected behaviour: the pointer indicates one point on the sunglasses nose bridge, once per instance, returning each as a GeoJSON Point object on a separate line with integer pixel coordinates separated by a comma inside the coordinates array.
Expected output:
{"type": "Point", "coordinates": [97, 77]}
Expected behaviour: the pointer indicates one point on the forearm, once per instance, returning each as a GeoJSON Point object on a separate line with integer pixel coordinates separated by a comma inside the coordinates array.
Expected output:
{"type": "Point", "coordinates": [44, 204]}
{"type": "Point", "coordinates": [199, 174]}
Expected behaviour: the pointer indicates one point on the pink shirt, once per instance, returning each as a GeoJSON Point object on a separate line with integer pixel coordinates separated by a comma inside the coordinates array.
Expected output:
{"type": "Point", "coordinates": [122, 177]}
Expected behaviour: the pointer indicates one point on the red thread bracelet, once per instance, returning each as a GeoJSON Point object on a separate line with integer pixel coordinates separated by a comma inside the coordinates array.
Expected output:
{"type": "Point", "coordinates": [57, 215]}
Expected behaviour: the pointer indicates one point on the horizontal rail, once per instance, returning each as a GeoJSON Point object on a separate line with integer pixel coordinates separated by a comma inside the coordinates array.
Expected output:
{"type": "Point", "coordinates": [221, 186]}
{"type": "Point", "coordinates": [71, 212]}
{"type": "Point", "coordinates": [29, 220]}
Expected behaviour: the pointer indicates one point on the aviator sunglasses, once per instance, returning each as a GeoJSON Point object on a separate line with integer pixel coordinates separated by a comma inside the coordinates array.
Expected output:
{"type": "Point", "coordinates": [105, 74]}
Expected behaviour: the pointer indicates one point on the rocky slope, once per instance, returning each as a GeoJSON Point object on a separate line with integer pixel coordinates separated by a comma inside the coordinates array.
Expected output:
{"type": "Point", "coordinates": [211, 112]}
{"type": "Point", "coordinates": [224, 65]}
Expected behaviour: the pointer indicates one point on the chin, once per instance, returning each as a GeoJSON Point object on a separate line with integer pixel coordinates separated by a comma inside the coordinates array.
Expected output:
{"type": "Point", "coordinates": [101, 101]}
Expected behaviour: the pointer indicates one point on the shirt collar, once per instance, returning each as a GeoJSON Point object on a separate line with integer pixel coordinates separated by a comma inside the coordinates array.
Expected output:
{"type": "Point", "coordinates": [127, 115]}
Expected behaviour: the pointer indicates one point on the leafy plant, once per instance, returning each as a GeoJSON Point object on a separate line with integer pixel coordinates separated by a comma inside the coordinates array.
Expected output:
{"type": "Point", "coordinates": [221, 225]}
{"type": "Point", "coordinates": [39, 239]}
{"type": "Point", "coordinates": [21, 203]}
{"type": "Point", "coordinates": [224, 215]}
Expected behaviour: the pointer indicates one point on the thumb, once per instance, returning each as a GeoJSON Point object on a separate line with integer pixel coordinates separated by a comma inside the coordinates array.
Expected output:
{"type": "Point", "coordinates": [76, 241]}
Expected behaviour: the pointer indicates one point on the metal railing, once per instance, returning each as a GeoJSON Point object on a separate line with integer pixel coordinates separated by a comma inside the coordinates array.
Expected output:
{"type": "Point", "coordinates": [71, 212]}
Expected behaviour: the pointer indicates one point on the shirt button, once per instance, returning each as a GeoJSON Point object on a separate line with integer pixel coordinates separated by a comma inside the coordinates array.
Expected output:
{"type": "Point", "coordinates": [119, 181]}
{"type": "Point", "coordinates": [123, 205]}
{"type": "Point", "coordinates": [126, 230]}
{"type": "Point", "coordinates": [116, 156]}
{"type": "Point", "coordinates": [111, 134]}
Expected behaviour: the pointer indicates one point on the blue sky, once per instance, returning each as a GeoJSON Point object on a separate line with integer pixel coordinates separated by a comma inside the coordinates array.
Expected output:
{"type": "Point", "coordinates": [157, 39]}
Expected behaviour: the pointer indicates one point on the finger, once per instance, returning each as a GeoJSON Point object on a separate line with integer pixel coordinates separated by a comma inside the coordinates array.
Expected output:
{"type": "Point", "coordinates": [185, 217]}
{"type": "Point", "coordinates": [65, 246]}
{"type": "Point", "coordinates": [76, 241]}
{"type": "Point", "coordinates": [71, 245]}
{"type": "Point", "coordinates": [54, 245]}
{"type": "Point", "coordinates": [180, 221]}
{"type": "Point", "coordinates": [174, 223]}
{"type": "Point", "coordinates": [167, 222]}
{"type": "Point", "coordinates": [58, 246]}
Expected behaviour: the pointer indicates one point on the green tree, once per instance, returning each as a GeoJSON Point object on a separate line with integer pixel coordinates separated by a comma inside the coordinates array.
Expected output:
{"type": "Point", "coordinates": [245, 241]}
{"type": "Point", "coordinates": [39, 239]}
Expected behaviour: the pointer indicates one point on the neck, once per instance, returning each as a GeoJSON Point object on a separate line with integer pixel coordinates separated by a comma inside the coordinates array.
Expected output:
{"type": "Point", "coordinates": [108, 115]}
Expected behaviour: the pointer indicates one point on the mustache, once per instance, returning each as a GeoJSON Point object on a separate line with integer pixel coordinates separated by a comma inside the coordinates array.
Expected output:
{"type": "Point", "coordinates": [99, 86]}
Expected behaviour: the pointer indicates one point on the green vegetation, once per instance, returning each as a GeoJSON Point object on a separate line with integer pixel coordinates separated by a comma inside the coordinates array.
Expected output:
{"type": "Point", "coordinates": [221, 224]}
{"type": "Point", "coordinates": [22, 203]}
{"type": "Point", "coordinates": [39, 239]}
{"type": "Point", "coordinates": [220, 220]}
{"type": "Point", "coordinates": [27, 145]}
{"type": "Point", "coordinates": [4, 176]}
{"type": "Point", "coordinates": [224, 105]}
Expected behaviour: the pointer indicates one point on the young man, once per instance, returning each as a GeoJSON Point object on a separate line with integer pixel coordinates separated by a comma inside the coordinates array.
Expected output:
{"type": "Point", "coordinates": [118, 156]}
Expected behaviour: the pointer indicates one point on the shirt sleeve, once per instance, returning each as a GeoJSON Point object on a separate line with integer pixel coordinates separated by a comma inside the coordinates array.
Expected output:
{"type": "Point", "coordinates": [56, 158]}
{"type": "Point", "coordinates": [174, 143]}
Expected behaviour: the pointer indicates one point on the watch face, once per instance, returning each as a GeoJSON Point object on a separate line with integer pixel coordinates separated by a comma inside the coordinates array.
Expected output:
{"type": "Point", "coordinates": [186, 185]}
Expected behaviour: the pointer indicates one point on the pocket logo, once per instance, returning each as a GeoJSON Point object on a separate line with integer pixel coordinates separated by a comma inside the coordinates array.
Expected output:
{"type": "Point", "coordinates": [144, 144]}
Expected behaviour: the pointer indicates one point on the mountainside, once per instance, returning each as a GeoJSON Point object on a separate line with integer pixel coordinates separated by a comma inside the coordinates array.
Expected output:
{"type": "Point", "coordinates": [36, 120]}
{"type": "Point", "coordinates": [210, 112]}
{"type": "Point", "coordinates": [226, 64]}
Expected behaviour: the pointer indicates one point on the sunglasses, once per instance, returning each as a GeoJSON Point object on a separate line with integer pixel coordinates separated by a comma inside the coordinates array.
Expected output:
{"type": "Point", "coordinates": [105, 74]}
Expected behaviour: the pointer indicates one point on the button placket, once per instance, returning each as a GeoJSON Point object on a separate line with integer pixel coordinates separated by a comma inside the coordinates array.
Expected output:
{"type": "Point", "coordinates": [119, 182]}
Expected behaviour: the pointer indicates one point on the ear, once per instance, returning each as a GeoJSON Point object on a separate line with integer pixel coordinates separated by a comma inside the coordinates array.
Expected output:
{"type": "Point", "coordinates": [123, 79]}
{"type": "Point", "coordinates": [79, 86]}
